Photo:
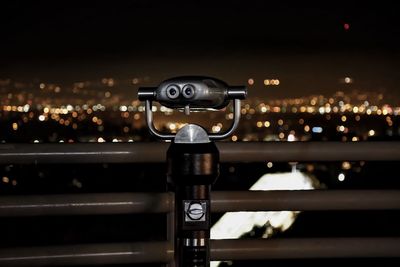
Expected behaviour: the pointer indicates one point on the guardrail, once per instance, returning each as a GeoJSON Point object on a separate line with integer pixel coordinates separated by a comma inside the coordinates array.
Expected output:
{"type": "Point", "coordinates": [162, 251]}
{"type": "Point", "coordinates": [222, 201]}
{"type": "Point", "coordinates": [229, 152]}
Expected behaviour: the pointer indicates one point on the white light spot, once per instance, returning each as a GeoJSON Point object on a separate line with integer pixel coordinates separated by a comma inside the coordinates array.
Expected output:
{"type": "Point", "coordinates": [216, 128]}
{"type": "Point", "coordinates": [317, 129]}
{"type": "Point", "coordinates": [291, 138]}
{"type": "Point", "coordinates": [172, 126]}
{"type": "Point", "coordinates": [371, 133]}
{"type": "Point", "coordinates": [347, 80]}
{"type": "Point", "coordinates": [26, 108]}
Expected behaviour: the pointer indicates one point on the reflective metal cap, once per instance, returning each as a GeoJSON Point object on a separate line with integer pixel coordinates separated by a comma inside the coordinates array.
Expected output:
{"type": "Point", "coordinates": [191, 134]}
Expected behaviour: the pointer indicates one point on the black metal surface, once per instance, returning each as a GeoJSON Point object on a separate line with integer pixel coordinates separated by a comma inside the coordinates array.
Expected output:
{"type": "Point", "coordinates": [302, 248]}
{"type": "Point", "coordinates": [229, 152]}
{"type": "Point", "coordinates": [83, 153]}
{"type": "Point", "coordinates": [88, 254]}
{"type": "Point", "coordinates": [192, 164]}
{"type": "Point", "coordinates": [220, 250]}
{"type": "Point", "coordinates": [304, 200]}
{"type": "Point", "coordinates": [221, 201]}
{"type": "Point", "coordinates": [78, 204]}
{"type": "Point", "coordinates": [192, 169]}
{"type": "Point", "coordinates": [309, 151]}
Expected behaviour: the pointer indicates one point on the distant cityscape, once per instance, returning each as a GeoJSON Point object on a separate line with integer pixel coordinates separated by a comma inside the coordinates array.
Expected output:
{"type": "Point", "coordinates": [107, 111]}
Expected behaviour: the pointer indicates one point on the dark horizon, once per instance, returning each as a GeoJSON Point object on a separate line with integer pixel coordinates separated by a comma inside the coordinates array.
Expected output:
{"type": "Point", "coordinates": [310, 47]}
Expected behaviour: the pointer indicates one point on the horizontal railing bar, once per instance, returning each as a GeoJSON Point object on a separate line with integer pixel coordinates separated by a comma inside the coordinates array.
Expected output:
{"type": "Point", "coordinates": [305, 200]}
{"type": "Point", "coordinates": [88, 254]}
{"type": "Point", "coordinates": [309, 151]}
{"type": "Point", "coordinates": [305, 248]}
{"type": "Point", "coordinates": [301, 248]}
{"type": "Point", "coordinates": [85, 204]}
{"type": "Point", "coordinates": [222, 201]}
{"type": "Point", "coordinates": [230, 152]}
{"type": "Point", "coordinates": [83, 153]}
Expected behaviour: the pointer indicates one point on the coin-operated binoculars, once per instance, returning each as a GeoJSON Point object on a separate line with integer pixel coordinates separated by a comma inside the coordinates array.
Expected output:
{"type": "Point", "coordinates": [192, 158]}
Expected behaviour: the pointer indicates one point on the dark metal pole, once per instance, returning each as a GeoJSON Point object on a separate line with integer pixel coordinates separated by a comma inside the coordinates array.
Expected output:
{"type": "Point", "coordinates": [192, 169]}
{"type": "Point", "coordinates": [309, 151]}
{"type": "Point", "coordinates": [76, 204]}
{"type": "Point", "coordinates": [83, 153]}
{"type": "Point", "coordinates": [297, 248]}
{"type": "Point", "coordinates": [88, 254]}
{"type": "Point", "coordinates": [171, 233]}
{"type": "Point", "coordinates": [230, 152]}
{"type": "Point", "coordinates": [303, 200]}
{"type": "Point", "coordinates": [305, 248]}
{"type": "Point", "coordinates": [222, 201]}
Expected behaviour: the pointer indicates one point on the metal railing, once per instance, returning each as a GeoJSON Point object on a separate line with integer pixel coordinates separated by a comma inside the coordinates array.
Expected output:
{"type": "Point", "coordinates": [229, 152]}
{"type": "Point", "coordinates": [222, 201]}
{"type": "Point", "coordinates": [162, 251]}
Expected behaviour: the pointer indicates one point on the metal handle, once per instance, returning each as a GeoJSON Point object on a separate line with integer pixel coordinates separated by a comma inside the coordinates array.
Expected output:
{"type": "Point", "coordinates": [158, 134]}
{"type": "Point", "coordinates": [152, 128]}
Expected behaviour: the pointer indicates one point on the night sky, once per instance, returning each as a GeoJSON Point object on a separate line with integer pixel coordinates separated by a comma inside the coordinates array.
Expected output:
{"type": "Point", "coordinates": [309, 46]}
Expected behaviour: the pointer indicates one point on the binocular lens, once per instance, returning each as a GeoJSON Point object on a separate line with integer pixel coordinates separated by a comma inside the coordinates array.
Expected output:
{"type": "Point", "coordinates": [188, 91]}
{"type": "Point", "coordinates": [173, 92]}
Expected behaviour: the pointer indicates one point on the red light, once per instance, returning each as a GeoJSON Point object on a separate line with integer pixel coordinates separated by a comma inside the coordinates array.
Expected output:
{"type": "Point", "coordinates": [346, 26]}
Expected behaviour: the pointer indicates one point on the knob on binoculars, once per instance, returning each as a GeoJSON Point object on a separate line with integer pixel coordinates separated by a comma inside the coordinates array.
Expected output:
{"type": "Point", "coordinates": [192, 93]}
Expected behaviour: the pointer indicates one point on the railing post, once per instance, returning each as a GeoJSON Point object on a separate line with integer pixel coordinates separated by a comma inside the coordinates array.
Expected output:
{"type": "Point", "coordinates": [171, 234]}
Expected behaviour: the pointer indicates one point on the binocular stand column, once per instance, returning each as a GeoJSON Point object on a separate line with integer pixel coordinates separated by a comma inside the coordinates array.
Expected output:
{"type": "Point", "coordinates": [192, 169]}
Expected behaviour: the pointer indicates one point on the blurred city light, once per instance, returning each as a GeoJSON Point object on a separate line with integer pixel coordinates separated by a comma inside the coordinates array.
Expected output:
{"type": "Point", "coordinates": [232, 225]}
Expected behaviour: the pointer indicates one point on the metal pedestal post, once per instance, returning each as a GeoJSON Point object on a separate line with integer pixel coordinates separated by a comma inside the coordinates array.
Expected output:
{"type": "Point", "coordinates": [192, 169]}
{"type": "Point", "coordinates": [193, 160]}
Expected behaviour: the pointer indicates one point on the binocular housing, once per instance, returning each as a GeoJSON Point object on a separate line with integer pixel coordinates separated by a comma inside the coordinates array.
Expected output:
{"type": "Point", "coordinates": [193, 92]}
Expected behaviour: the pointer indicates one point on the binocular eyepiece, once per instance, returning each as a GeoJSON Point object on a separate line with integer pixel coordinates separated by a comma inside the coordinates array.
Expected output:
{"type": "Point", "coordinates": [193, 92]}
